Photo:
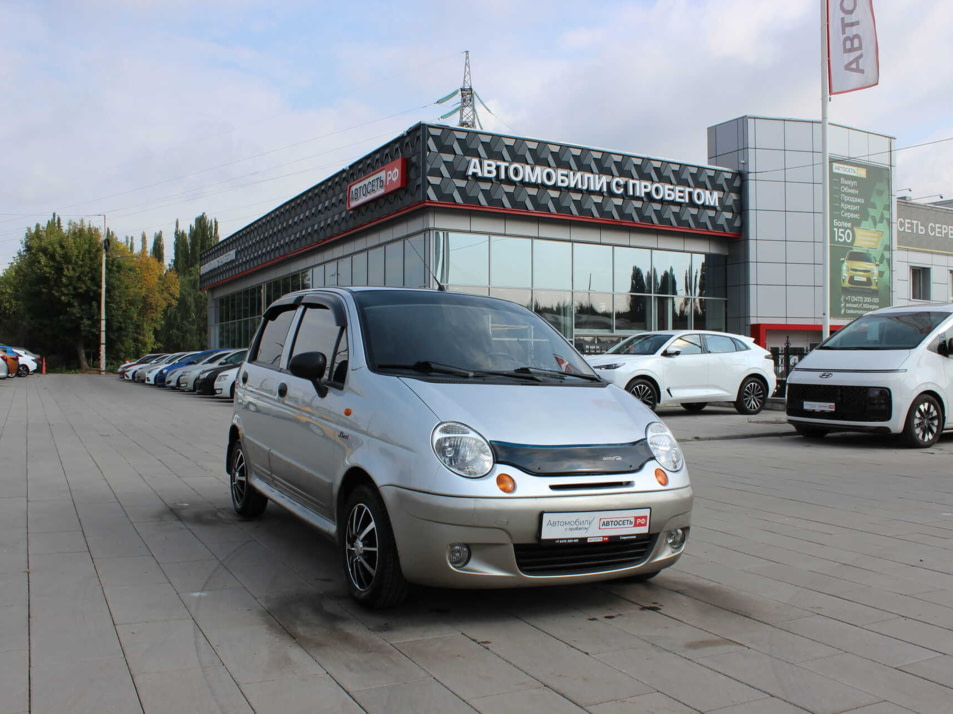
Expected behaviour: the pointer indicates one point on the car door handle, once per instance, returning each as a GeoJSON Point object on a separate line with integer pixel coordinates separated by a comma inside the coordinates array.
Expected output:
{"type": "Point", "coordinates": [282, 390]}
{"type": "Point", "coordinates": [244, 377]}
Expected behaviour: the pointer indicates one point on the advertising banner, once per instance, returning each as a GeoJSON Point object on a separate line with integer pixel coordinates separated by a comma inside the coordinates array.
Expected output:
{"type": "Point", "coordinates": [860, 238]}
{"type": "Point", "coordinates": [852, 45]}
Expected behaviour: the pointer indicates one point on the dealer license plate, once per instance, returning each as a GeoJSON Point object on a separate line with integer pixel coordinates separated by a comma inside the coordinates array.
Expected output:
{"type": "Point", "coordinates": [594, 526]}
{"type": "Point", "coordinates": [818, 406]}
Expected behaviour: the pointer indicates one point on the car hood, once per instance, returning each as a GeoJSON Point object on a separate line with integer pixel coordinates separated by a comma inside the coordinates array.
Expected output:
{"type": "Point", "coordinates": [855, 360]}
{"type": "Point", "coordinates": [538, 414]}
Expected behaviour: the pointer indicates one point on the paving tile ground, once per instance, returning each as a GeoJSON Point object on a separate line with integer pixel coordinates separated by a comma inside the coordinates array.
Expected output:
{"type": "Point", "coordinates": [819, 578]}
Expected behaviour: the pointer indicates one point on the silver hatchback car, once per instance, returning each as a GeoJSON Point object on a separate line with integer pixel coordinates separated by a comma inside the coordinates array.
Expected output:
{"type": "Point", "coordinates": [451, 440]}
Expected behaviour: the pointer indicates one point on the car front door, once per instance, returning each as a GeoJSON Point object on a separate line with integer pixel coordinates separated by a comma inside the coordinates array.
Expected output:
{"type": "Point", "coordinates": [686, 375]}
{"type": "Point", "coordinates": [315, 440]}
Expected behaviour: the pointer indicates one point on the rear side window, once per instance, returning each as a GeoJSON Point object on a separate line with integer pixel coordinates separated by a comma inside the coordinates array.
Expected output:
{"type": "Point", "coordinates": [273, 337]}
{"type": "Point", "coordinates": [720, 344]}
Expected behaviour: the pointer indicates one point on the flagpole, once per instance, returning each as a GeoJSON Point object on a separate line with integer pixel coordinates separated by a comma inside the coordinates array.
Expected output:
{"type": "Point", "coordinates": [825, 173]}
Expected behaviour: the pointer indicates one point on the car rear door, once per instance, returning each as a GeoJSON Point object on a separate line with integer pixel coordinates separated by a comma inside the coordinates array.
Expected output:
{"type": "Point", "coordinates": [729, 364]}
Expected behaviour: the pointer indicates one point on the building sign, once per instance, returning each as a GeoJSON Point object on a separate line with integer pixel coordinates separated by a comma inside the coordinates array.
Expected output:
{"type": "Point", "coordinates": [217, 262]}
{"type": "Point", "coordinates": [588, 182]}
{"type": "Point", "coordinates": [859, 238]}
{"type": "Point", "coordinates": [389, 177]}
{"type": "Point", "coordinates": [926, 228]}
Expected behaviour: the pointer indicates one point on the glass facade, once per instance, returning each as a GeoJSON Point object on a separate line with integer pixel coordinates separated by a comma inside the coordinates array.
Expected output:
{"type": "Point", "coordinates": [593, 294]}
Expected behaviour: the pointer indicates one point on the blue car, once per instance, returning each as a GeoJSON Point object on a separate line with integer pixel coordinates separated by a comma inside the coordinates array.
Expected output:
{"type": "Point", "coordinates": [190, 358]}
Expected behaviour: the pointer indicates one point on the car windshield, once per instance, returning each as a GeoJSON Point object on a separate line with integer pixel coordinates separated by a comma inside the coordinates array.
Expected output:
{"type": "Point", "coordinates": [459, 336]}
{"type": "Point", "coordinates": [885, 331]}
{"type": "Point", "coordinates": [859, 256]}
{"type": "Point", "coordinates": [646, 343]}
{"type": "Point", "coordinates": [235, 357]}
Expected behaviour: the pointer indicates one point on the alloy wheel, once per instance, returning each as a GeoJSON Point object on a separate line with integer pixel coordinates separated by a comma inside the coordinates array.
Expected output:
{"type": "Point", "coordinates": [362, 547]}
{"type": "Point", "coordinates": [926, 422]}
{"type": "Point", "coordinates": [753, 396]}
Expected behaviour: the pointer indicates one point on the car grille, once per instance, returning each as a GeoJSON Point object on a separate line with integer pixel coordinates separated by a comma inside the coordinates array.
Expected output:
{"type": "Point", "coordinates": [574, 460]}
{"type": "Point", "coordinates": [569, 559]}
{"type": "Point", "coordinates": [850, 403]}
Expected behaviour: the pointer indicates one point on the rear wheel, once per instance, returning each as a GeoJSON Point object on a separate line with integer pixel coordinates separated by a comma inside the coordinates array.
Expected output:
{"type": "Point", "coordinates": [694, 406]}
{"type": "Point", "coordinates": [643, 390]}
{"type": "Point", "coordinates": [924, 422]}
{"type": "Point", "coordinates": [23, 370]}
{"type": "Point", "coordinates": [369, 551]}
{"type": "Point", "coordinates": [751, 396]}
{"type": "Point", "coordinates": [246, 499]}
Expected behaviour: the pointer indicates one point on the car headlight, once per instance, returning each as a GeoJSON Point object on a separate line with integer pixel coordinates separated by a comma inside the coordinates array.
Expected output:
{"type": "Point", "coordinates": [664, 447]}
{"type": "Point", "coordinates": [607, 366]}
{"type": "Point", "coordinates": [462, 450]}
{"type": "Point", "coordinates": [221, 378]}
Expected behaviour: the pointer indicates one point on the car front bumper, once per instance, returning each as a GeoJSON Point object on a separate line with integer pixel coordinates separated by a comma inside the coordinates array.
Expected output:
{"type": "Point", "coordinates": [426, 525]}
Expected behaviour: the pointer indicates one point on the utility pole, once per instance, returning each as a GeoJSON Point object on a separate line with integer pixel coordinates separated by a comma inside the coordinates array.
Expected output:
{"type": "Point", "coordinates": [468, 116]}
{"type": "Point", "coordinates": [102, 301]}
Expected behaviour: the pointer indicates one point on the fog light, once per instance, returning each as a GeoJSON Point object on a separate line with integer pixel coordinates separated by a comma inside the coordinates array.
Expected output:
{"type": "Point", "coordinates": [675, 538]}
{"type": "Point", "coordinates": [458, 555]}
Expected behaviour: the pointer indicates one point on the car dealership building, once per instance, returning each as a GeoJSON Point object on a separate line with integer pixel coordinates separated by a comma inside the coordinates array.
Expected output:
{"type": "Point", "coordinates": [602, 243]}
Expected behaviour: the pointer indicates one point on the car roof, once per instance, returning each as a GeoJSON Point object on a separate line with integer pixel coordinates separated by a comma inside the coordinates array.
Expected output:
{"type": "Point", "coordinates": [925, 307]}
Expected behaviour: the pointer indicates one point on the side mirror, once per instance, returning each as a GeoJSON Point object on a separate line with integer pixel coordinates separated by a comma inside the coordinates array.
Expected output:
{"type": "Point", "coordinates": [310, 366]}
{"type": "Point", "coordinates": [943, 348]}
{"type": "Point", "coordinates": [672, 352]}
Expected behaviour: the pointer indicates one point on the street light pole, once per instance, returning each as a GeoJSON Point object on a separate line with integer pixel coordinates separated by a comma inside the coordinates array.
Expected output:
{"type": "Point", "coordinates": [102, 303]}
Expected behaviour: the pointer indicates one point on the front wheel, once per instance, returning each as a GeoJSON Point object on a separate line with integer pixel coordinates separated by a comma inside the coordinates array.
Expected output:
{"type": "Point", "coordinates": [23, 370]}
{"type": "Point", "coordinates": [246, 499]}
{"type": "Point", "coordinates": [369, 551]}
{"type": "Point", "coordinates": [924, 422]}
{"type": "Point", "coordinates": [643, 390]}
{"type": "Point", "coordinates": [751, 396]}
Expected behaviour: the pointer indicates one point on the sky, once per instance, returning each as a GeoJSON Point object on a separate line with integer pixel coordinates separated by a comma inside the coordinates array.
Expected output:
{"type": "Point", "coordinates": [156, 111]}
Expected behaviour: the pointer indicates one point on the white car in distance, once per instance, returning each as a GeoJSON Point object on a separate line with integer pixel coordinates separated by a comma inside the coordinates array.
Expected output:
{"type": "Point", "coordinates": [690, 367]}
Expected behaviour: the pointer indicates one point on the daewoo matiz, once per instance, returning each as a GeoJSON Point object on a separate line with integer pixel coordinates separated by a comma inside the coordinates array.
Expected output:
{"type": "Point", "coordinates": [451, 440]}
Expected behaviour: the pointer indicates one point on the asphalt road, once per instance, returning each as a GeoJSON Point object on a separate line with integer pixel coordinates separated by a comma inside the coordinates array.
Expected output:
{"type": "Point", "coordinates": [819, 577]}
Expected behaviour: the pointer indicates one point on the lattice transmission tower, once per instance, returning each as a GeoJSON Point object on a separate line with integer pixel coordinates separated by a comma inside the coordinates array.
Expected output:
{"type": "Point", "coordinates": [467, 106]}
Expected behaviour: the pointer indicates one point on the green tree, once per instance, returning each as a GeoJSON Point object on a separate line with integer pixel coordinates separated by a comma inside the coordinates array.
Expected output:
{"type": "Point", "coordinates": [158, 249]}
{"type": "Point", "coordinates": [50, 294]}
{"type": "Point", "coordinates": [186, 325]}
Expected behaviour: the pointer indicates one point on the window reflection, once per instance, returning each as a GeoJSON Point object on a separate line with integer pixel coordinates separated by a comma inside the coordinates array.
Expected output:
{"type": "Point", "coordinates": [592, 267]}
{"type": "Point", "coordinates": [671, 272]}
{"type": "Point", "coordinates": [344, 271]}
{"type": "Point", "coordinates": [520, 297]}
{"type": "Point", "coordinates": [593, 312]}
{"type": "Point", "coordinates": [359, 269]}
{"type": "Point", "coordinates": [511, 262]}
{"type": "Point", "coordinates": [554, 306]}
{"type": "Point", "coordinates": [633, 270]}
{"type": "Point", "coordinates": [465, 258]}
{"type": "Point", "coordinates": [375, 267]}
{"type": "Point", "coordinates": [672, 313]}
{"type": "Point", "coordinates": [552, 265]}
{"type": "Point", "coordinates": [415, 272]}
{"type": "Point", "coordinates": [394, 264]}
{"type": "Point", "coordinates": [633, 313]}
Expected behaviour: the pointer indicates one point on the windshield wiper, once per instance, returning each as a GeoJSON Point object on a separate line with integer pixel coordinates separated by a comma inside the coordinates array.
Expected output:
{"type": "Point", "coordinates": [557, 373]}
{"type": "Point", "coordinates": [428, 367]}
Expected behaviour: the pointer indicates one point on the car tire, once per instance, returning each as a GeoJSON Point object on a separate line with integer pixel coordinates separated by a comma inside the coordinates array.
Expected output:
{"type": "Point", "coordinates": [694, 407]}
{"type": "Point", "coordinates": [247, 501]}
{"type": "Point", "coordinates": [231, 391]}
{"type": "Point", "coordinates": [924, 423]}
{"type": "Point", "coordinates": [811, 432]}
{"type": "Point", "coordinates": [751, 396]}
{"type": "Point", "coordinates": [643, 390]}
{"type": "Point", "coordinates": [23, 370]}
{"type": "Point", "coordinates": [369, 551]}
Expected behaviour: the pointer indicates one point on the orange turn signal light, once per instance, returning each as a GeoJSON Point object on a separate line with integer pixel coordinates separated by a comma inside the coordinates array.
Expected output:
{"type": "Point", "coordinates": [347, 412]}
{"type": "Point", "coordinates": [661, 477]}
{"type": "Point", "coordinates": [505, 483]}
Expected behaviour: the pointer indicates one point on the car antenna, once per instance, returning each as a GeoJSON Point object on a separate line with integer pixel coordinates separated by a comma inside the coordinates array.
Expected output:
{"type": "Point", "coordinates": [440, 286]}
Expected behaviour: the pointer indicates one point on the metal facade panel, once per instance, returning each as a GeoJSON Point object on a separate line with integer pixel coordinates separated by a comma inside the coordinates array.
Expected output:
{"type": "Point", "coordinates": [438, 159]}
{"type": "Point", "coordinates": [449, 151]}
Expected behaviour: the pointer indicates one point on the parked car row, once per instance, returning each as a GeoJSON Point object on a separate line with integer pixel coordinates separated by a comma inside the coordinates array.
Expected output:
{"type": "Point", "coordinates": [209, 372]}
{"type": "Point", "coordinates": [18, 362]}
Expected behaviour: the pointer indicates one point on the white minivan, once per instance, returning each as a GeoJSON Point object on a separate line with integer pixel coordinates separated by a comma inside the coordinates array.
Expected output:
{"type": "Point", "coordinates": [451, 440]}
{"type": "Point", "coordinates": [889, 371]}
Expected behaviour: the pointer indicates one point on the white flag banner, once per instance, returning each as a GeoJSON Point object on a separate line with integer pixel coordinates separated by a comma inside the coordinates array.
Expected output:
{"type": "Point", "coordinates": [853, 61]}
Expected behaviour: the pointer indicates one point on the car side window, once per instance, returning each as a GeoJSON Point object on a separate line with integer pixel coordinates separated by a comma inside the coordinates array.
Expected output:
{"type": "Point", "coordinates": [318, 332]}
{"type": "Point", "coordinates": [719, 344]}
{"type": "Point", "coordinates": [688, 345]}
{"type": "Point", "coordinates": [273, 337]}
